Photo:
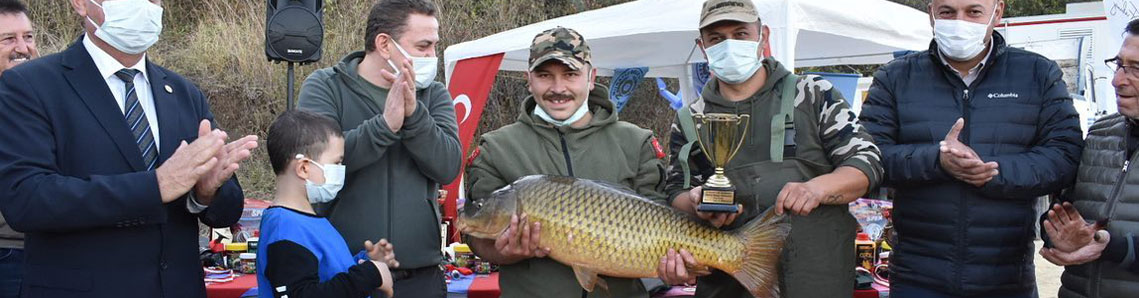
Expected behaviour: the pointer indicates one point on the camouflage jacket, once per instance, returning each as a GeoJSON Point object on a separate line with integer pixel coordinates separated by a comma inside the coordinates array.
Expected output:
{"type": "Point", "coordinates": [827, 136]}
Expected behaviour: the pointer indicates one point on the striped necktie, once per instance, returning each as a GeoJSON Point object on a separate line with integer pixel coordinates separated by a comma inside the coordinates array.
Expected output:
{"type": "Point", "coordinates": [137, 121]}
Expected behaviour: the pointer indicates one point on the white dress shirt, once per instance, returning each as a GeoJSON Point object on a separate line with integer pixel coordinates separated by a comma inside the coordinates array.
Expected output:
{"type": "Point", "coordinates": [974, 72]}
{"type": "Point", "coordinates": [108, 66]}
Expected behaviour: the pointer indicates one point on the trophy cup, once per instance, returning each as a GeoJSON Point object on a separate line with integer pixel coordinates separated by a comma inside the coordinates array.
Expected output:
{"type": "Point", "coordinates": [720, 137]}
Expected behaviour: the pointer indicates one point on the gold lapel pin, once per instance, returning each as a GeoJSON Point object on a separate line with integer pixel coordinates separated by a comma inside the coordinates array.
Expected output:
{"type": "Point", "coordinates": [169, 90]}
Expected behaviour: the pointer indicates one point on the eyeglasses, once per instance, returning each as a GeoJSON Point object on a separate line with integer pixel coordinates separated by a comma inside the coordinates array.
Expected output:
{"type": "Point", "coordinates": [1114, 65]}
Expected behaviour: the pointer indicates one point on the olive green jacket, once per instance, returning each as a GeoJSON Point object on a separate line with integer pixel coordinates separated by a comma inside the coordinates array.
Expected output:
{"type": "Point", "coordinates": [606, 149]}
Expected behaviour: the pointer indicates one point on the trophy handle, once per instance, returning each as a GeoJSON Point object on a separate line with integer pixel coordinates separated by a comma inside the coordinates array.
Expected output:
{"type": "Point", "coordinates": [700, 118]}
{"type": "Point", "coordinates": [744, 120]}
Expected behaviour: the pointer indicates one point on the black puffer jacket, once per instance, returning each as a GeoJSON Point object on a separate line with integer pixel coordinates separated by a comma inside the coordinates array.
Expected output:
{"type": "Point", "coordinates": [954, 237]}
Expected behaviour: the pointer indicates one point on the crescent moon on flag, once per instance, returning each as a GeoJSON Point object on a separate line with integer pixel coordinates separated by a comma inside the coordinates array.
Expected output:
{"type": "Point", "coordinates": [465, 101]}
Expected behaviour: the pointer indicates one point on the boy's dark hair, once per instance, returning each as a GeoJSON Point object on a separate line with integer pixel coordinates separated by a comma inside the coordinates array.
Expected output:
{"type": "Point", "coordinates": [1132, 27]}
{"type": "Point", "coordinates": [13, 7]}
{"type": "Point", "coordinates": [299, 132]}
{"type": "Point", "coordinates": [390, 17]}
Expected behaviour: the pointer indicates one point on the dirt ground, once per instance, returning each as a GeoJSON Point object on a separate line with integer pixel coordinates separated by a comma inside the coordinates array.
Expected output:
{"type": "Point", "coordinates": [1047, 275]}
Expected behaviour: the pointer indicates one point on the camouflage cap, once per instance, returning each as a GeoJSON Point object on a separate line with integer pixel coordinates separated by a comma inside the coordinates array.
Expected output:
{"type": "Point", "coordinates": [728, 10]}
{"type": "Point", "coordinates": [560, 43]}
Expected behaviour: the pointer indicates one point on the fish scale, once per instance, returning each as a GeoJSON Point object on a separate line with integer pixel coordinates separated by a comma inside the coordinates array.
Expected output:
{"type": "Point", "coordinates": [602, 229]}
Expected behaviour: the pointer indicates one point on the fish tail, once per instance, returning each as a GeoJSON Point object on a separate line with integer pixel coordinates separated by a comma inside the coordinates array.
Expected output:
{"type": "Point", "coordinates": [763, 237]}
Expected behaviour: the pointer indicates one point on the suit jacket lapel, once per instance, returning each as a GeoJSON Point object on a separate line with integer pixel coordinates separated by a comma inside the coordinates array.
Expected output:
{"type": "Point", "coordinates": [84, 78]}
{"type": "Point", "coordinates": [166, 108]}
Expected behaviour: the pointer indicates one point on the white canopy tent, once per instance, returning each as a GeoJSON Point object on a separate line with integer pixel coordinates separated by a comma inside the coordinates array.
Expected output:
{"type": "Point", "coordinates": [661, 34]}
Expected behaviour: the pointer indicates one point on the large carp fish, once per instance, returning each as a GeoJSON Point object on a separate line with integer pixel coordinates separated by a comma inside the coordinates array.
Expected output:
{"type": "Point", "coordinates": [602, 229]}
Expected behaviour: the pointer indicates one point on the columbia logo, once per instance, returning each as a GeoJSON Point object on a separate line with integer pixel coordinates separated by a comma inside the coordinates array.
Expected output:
{"type": "Point", "coordinates": [1003, 95]}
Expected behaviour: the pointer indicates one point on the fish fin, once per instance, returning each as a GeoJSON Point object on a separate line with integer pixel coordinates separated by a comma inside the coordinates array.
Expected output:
{"type": "Point", "coordinates": [566, 180]}
{"type": "Point", "coordinates": [764, 238]}
{"type": "Point", "coordinates": [588, 279]}
{"type": "Point", "coordinates": [698, 270]}
{"type": "Point", "coordinates": [615, 187]}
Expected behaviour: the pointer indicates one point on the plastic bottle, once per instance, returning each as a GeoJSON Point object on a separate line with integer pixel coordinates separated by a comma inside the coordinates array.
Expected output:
{"type": "Point", "coordinates": [864, 252]}
{"type": "Point", "coordinates": [233, 253]}
{"type": "Point", "coordinates": [464, 257]}
{"type": "Point", "coordinates": [247, 263]}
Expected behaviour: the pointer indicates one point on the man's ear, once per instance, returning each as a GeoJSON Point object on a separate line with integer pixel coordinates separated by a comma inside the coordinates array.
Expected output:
{"type": "Point", "coordinates": [592, 77]}
{"type": "Point", "coordinates": [930, 11]}
{"type": "Point", "coordinates": [529, 84]}
{"type": "Point", "coordinates": [382, 45]}
{"type": "Point", "coordinates": [80, 7]}
{"type": "Point", "coordinates": [765, 33]}
{"type": "Point", "coordinates": [1000, 13]}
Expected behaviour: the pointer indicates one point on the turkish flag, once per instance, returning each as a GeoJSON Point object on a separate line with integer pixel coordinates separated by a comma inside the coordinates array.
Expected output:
{"type": "Point", "coordinates": [470, 86]}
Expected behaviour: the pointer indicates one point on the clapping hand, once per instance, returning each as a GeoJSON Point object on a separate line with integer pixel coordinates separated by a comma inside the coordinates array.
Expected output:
{"type": "Point", "coordinates": [962, 162]}
{"type": "Point", "coordinates": [382, 256]}
{"type": "Point", "coordinates": [190, 162]}
{"type": "Point", "coordinates": [401, 102]}
{"type": "Point", "coordinates": [229, 158]}
{"type": "Point", "coordinates": [382, 251]}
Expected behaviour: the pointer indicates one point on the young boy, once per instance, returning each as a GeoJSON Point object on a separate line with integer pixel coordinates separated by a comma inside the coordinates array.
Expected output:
{"type": "Point", "coordinates": [301, 254]}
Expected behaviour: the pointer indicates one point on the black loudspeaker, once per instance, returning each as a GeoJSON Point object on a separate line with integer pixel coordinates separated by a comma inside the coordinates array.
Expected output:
{"type": "Point", "coordinates": [294, 30]}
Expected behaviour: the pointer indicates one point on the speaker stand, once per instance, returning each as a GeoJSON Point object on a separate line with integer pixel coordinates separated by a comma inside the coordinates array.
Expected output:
{"type": "Point", "coordinates": [290, 83]}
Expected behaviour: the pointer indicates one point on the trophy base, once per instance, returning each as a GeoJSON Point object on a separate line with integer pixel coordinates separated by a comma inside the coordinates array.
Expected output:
{"type": "Point", "coordinates": [718, 208]}
{"type": "Point", "coordinates": [718, 199]}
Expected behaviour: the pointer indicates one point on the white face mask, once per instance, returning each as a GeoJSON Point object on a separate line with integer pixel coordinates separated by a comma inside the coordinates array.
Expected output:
{"type": "Point", "coordinates": [425, 67]}
{"type": "Point", "coordinates": [131, 26]}
{"type": "Point", "coordinates": [333, 182]}
{"type": "Point", "coordinates": [961, 40]}
{"type": "Point", "coordinates": [734, 61]}
{"type": "Point", "coordinates": [577, 115]}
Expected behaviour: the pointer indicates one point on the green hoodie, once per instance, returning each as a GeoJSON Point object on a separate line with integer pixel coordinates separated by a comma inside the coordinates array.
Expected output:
{"type": "Point", "coordinates": [392, 179]}
{"type": "Point", "coordinates": [606, 149]}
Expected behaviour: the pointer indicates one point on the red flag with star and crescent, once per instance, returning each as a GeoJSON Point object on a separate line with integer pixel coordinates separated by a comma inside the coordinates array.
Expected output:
{"type": "Point", "coordinates": [470, 85]}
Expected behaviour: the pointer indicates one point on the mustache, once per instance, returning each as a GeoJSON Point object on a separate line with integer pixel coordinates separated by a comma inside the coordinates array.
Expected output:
{"type": "Point", "coordinates": [557, 96]}
{"type": "Point", "coordinates": [15, 56]}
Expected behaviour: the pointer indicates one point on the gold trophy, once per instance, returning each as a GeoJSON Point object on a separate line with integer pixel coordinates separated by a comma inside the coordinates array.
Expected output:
{"type": "Point", "coordinates": [720, 138]}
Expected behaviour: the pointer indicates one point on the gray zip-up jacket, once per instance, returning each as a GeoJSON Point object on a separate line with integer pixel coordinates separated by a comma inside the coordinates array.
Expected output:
{"type": "Point", "coordinates": [1105, 190]}
{"type": "Point", "coordinates": [392, 178]}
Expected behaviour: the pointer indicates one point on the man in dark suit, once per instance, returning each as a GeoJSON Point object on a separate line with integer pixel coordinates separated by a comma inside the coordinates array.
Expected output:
{"type": "Point", "coordinates": [17, 45]}
{"type": "Point", "coordinates": [108, 162]}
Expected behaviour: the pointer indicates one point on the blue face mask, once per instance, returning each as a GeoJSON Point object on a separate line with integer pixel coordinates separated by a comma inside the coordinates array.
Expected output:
{"type": "Point", "coordinates": [131, 26]}
{"type": "Point", "coordinates": [734, 61]}
{"type": "Point", "coordinates": [333, 182]}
